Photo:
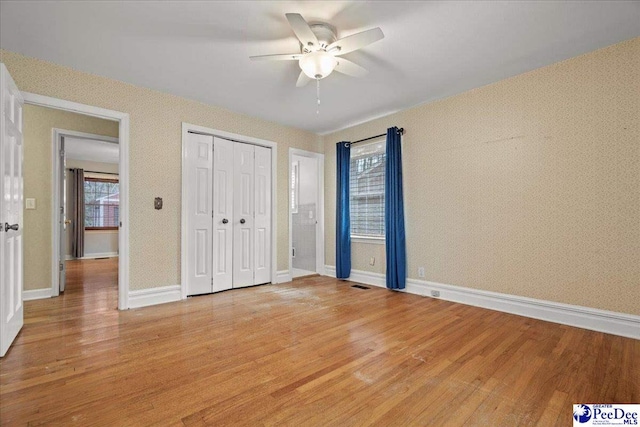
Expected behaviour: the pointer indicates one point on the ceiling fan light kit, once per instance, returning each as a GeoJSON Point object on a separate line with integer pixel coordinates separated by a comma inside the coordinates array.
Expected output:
{"type": "Point", "coordinates": [319, 49]}
{"type": "Point", "coordinates": [318, 64]}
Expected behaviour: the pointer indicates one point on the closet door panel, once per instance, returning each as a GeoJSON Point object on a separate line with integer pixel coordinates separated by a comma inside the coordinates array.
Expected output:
{"type": "Point", "coordinates": [223, 155]}
{"type": "Point", "coordinates": [262, 200]}
{"type": "Point", "coordinates": [243, 219]}
{"type": "Point", "coordinates": [199, 199]}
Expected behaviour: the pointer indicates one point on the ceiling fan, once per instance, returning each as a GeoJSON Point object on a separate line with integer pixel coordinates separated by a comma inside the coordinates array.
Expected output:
{"type": "Point", "coordinates": [320, 50]}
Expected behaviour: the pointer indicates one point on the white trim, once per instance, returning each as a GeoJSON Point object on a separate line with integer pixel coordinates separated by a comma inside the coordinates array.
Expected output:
{"type": "Point", "coordinates": [84, 135]}
{"type": "Point", "coordinates": [56, 143]}
{"type": "Point", "coordinates": [188, 127]}
{"type": "Point", "coordinates": [36, 294]}
{"type": "Point", "coordinates": [320, 209]}
{"type": "Point", "coordinates": [360, 276]}
{"type": "Point", "coordinates": [283, 276]}
{"type": "Point", "coordinates": [611, 322]}
{"type": "Point", "coordinates": [369, 240]}
{"type": "Point", "coordinates": [93, 256]}
{"type": "Point", "coordinates": [154, 296]}
{"type": "Point", "coordinates": [123, 141]}
{"type": "Point", "coordinates": [100, 255]}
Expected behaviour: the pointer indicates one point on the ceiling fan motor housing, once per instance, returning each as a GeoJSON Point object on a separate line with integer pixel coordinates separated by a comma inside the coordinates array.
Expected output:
{"type": "Point", "coordinates": [325, 33]}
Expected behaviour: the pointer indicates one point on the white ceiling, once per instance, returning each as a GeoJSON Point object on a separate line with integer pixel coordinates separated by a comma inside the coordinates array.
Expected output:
{"type": "Point", "coordinates": [200, 50]}
{"type": "Point", "coordinates": [91, 150]}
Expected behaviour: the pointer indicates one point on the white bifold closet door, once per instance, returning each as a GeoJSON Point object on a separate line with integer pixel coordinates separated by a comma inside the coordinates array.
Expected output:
{"type": "Point", "coordinates": [222, 215]}
{"type": "Point", "coordinates": [229, 214]}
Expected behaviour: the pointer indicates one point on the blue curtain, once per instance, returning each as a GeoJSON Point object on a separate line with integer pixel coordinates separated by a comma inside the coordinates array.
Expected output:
{"type": "Point", "coordinates": [394, 213]}
{"type": "Point", "coordinates": [343, 224]}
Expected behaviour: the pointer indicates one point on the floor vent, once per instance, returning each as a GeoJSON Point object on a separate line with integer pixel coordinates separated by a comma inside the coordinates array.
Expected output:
{"type": "Point", "coordinates": [359, 287]}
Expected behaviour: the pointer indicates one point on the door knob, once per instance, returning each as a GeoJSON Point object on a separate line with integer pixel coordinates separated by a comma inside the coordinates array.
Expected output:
{"type": "Point", "coordinates": [242, 221]}
{"type": "Point", "coordinates": [8, 227]}
{"type": "Point", "coordinates": [67, 222]}
{"type": "Point", "coordinates": [225, 220]}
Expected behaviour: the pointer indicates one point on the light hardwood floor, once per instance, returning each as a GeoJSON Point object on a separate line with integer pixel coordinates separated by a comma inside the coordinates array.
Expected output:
{"type": "Point", "coordinates": [312, 352]}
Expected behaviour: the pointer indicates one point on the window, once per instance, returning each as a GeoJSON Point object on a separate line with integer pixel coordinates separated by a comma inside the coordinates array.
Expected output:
{"type": "Point", "coordinates": [366, 189]}
{"type": "Point", "coordinates": [101, 204]}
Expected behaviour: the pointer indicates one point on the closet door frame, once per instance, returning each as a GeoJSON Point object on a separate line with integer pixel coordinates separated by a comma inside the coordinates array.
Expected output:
{"type": "Point", "coordinates": [186, 129]}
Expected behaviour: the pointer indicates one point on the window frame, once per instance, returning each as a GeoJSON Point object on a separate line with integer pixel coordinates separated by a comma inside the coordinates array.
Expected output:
{"type": "Point", "coordinates": [84, 204]}
{"type": "Point", "coordinates": [363, 238]}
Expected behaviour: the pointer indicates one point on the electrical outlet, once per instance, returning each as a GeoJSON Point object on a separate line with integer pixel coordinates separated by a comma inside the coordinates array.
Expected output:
{"type": "Point", "coordinates": [435, 294]}
{"type": "Point", "coordinates": [372, 261]}
{"type": "Point", "coordinates": [421, 272]}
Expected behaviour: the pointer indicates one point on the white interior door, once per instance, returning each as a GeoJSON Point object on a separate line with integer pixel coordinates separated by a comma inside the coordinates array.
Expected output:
{"type": "Point", "coordinates": [12, 187]}
{"type": "Point", "coordinates": [199, 164]}
{"type": "Point", "coordinates": [262, 196]}
{"type": "Point", "coordinates": [62, 182]}
{"type": "Point", "coordinates": [222, 214]}
{"type": "Point", "coordinates": [243, 220]}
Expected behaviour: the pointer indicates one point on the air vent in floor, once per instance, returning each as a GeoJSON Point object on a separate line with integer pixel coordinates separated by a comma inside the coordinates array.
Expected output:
{"type": "Point", "coordinates": [359, 287]}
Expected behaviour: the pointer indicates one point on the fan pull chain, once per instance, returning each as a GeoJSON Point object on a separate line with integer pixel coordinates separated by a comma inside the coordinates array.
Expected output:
{"type": "Point", "coordinates": [318, 96]}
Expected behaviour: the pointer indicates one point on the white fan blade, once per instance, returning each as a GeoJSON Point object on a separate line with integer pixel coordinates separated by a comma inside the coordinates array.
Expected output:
{"type": "Point", "coordinates": [303, 79]}
{"type": "Point", "coordinates": [278, 57]}
{"type": "Point", "coordinates": [302, 31]}
{"type": "Point", "coordinates": [355, 41]}
{"type": "Point", "coordinates": [350, 69]}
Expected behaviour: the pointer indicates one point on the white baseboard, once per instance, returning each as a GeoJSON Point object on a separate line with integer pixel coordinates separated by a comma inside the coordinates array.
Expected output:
{"type": "Point", "coordinates": [153, 296]}
{"type": "Point", "coordinates": [93, 256]}
{"type": "Point", "coordinates": [283, 276]}
{"type": "Point", "coordinates": [100, 255]}
{"type": "Point", "coordinates": [36, 294]}
{"type": "Point", "coordinates": [611, 322]}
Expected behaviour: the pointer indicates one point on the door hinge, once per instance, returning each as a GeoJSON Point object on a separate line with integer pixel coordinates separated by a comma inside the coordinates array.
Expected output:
{"type": "Point", "coordinates": [60, 266]}
{"type": "Point", "coordinates": [61, 209]}
{"type": "Point", "coordinates": [61, 153]}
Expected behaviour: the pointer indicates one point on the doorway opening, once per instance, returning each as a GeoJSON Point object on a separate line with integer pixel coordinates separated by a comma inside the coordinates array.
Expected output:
{"type": "Point", "coordinates": [88, 211]}
{"type": "Point", "coordinates": [85, 139]}
{"type": "Point", "coordinates": [306, 213]}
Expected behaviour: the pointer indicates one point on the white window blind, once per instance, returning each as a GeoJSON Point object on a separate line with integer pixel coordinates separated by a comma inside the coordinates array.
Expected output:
{"type": "Point", "coordinates": [366, 189]}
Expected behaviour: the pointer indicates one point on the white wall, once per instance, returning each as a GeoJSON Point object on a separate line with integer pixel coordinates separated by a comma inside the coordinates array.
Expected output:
{"type": "Point", "coordinates": [97, 243]}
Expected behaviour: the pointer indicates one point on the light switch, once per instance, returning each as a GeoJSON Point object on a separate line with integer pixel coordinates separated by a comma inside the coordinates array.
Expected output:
{"type": "Point", "coordinates": [30, 203]}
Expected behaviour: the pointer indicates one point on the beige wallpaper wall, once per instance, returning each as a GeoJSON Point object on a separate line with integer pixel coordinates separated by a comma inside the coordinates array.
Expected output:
{"type": "Point", "coordinates": [530, 186]}
{"type": "Point", "coordinates": [38, 123]}
{"type": "Point", "coordinates": [155, 156]}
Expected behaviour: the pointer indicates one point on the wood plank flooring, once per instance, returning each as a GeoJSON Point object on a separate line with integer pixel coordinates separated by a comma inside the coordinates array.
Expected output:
{"type": "Point", "coordinates": [314, 352]}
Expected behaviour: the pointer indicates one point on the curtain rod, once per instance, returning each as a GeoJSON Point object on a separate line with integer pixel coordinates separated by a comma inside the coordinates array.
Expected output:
{"type": "Point", "coordinates": [401, 130]}
{"type": "Point", "coordinates": [104, 173]}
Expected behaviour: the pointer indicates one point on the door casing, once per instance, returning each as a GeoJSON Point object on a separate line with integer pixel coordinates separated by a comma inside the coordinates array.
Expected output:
{"type": "Point", "coordinates": [56, 202]}
{"type": "Point", "coordinates": [123, 172]}
{"type": "Point", "coordinates": [320, 256]}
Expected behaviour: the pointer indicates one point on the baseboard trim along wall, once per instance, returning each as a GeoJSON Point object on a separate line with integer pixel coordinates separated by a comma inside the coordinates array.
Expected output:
{"type": "Point", "coordinates": [283, 276]}
{"type": "Point", "coordinates": [626, 325]}
{"type": "Point", "coordinates": [36, 294]}
{"type": "Point", "coordinates": [153, 296]}
{"type": "Point", "coordinates": [94, 256]}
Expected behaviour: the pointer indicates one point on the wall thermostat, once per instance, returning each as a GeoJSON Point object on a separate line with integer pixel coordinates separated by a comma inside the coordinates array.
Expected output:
{"type": "Point", "coordinates": [157, 203]}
